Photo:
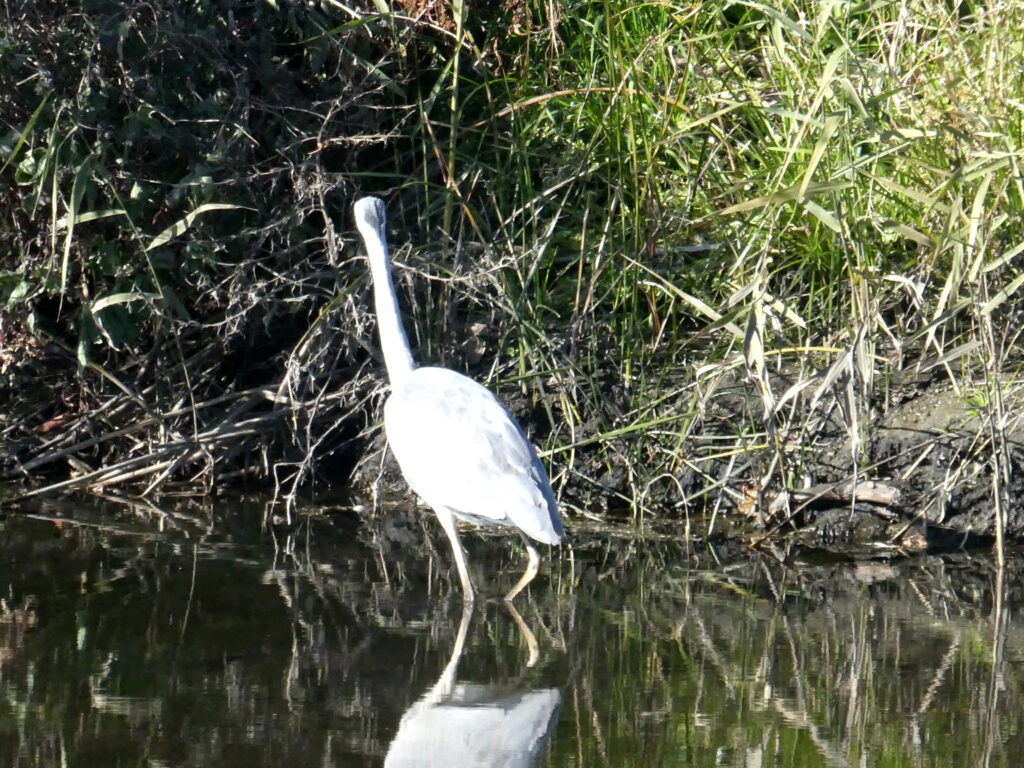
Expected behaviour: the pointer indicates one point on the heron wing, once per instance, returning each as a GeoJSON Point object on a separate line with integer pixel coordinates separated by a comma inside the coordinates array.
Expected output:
{"type": "Point", "coordinates": [460, 448]}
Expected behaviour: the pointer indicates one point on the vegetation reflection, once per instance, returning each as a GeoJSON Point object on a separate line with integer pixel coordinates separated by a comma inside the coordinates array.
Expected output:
{"type": "Point", "coordinates": [193, 643]}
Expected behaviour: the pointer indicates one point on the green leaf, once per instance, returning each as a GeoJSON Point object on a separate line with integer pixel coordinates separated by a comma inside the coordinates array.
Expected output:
{"type": "Point", "coordinates": [87, 334]}
{"type": "Point", "coordinates": [181, 226]}
{"type": "Point", "coordinates": [77, 191]}
{"type": "Point", "coordinates": [121, 298]}
{"type": "Point", "coordinates": [24, 137]}
{"type": "Point", "coordinates": [1003, 294]}
{"type": "Point", "coordinates": [831, 123]}
{"type": "Point", "coordinates": [117, 326]}
{"type": "Point", "coordinates": [13, 287]}
{"type": "Point", "coordinates": [82, 218]}
{"type": "Point", "coordinates": [29, 168]}
{"type": "Point", "coordinates": [174, 304]}
{"type": "Point", "coordinates": [786, 195]}
{"type": "Point", "coordinates": [825, 217]}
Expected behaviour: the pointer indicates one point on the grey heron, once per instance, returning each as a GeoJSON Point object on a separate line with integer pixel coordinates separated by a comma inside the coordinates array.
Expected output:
{"type": "Point", "coordinates": [473, 724]}
{"type": "Point", "coordinates": [458, 447]}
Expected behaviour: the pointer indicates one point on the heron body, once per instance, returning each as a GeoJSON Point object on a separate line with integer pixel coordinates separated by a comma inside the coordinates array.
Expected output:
{"type": "Point", "coordinates": [458, 447]}
{"type": "Point", "coordinates": [476, 725]}
{"type": "Point", "coordinates": [473, 724]}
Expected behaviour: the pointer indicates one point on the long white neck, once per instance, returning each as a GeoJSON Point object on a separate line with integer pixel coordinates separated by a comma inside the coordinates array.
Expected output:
{"type": "Point", "coordinates": [369, 215]}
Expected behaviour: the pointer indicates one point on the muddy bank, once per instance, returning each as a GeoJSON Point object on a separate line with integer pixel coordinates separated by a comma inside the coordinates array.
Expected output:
{"type": "Point", "coordinates": [926, 478]}
{"type": "Point", "coordinates": [928, 483]}
{"type": "Point", "coordinates": [937, 472]}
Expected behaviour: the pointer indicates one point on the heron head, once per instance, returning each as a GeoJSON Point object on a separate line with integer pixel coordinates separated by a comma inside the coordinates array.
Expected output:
{"type": "Point", "coordinates": [370, 217]}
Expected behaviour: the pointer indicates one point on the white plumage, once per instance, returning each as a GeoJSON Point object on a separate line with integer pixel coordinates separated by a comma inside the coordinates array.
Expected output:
{"type": "Point", "coordinates": [471, 724]}
{"type": "Point", "coordinates": [477, 725]}
{"type": "Point", "coordinates": [457, 445]}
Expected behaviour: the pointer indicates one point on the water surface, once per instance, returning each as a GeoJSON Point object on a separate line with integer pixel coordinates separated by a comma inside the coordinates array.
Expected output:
{"type": "Point", "coordinates": [196, 636]}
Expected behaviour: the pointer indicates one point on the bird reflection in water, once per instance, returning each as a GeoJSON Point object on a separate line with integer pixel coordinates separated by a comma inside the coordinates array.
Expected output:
{"type": "Point", "coordinates": [471, 724]}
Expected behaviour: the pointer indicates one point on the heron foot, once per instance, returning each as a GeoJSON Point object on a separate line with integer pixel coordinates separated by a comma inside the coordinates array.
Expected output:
{"type": "Point", "coordinates": [532, 569]}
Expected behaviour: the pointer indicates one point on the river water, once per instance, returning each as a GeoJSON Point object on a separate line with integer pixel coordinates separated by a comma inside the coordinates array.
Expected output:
{"type": "Point", "coordinates": [195, 636]}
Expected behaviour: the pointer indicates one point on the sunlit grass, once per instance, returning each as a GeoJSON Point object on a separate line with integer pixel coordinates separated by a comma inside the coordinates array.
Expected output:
{"type": "Point", "coordinates": [812, 195]}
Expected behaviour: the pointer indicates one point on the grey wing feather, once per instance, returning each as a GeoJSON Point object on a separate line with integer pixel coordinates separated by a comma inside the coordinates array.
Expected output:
{"type": "Point", "coordinates": [460, 448]}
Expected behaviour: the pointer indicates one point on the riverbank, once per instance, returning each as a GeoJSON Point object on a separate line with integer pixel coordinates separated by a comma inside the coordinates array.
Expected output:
{"type": "Point", "coordinates": [720, 261]}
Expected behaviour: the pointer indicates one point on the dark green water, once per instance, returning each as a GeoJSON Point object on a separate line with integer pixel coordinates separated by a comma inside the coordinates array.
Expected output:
{"type": "Point", "coordinates": [194, 637]}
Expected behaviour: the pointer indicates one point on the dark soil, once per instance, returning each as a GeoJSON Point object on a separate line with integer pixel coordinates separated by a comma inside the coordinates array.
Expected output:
{"type": "Point", "coordinates": [938, 453]}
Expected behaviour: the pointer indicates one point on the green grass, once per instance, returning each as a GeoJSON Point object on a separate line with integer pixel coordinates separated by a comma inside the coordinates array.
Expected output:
{"type": "Point", "coordinates": [776, 190]}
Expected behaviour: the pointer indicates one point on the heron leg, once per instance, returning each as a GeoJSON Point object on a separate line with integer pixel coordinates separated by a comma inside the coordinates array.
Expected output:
{"type": "Point", "coordinates": [531, 640]}
{"type": "Point", "coordinates": [447, 520]}
{"type": "Point", "coordinates": [446, 684]}
{"type": "Point", "coordinates": [532, 568]}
